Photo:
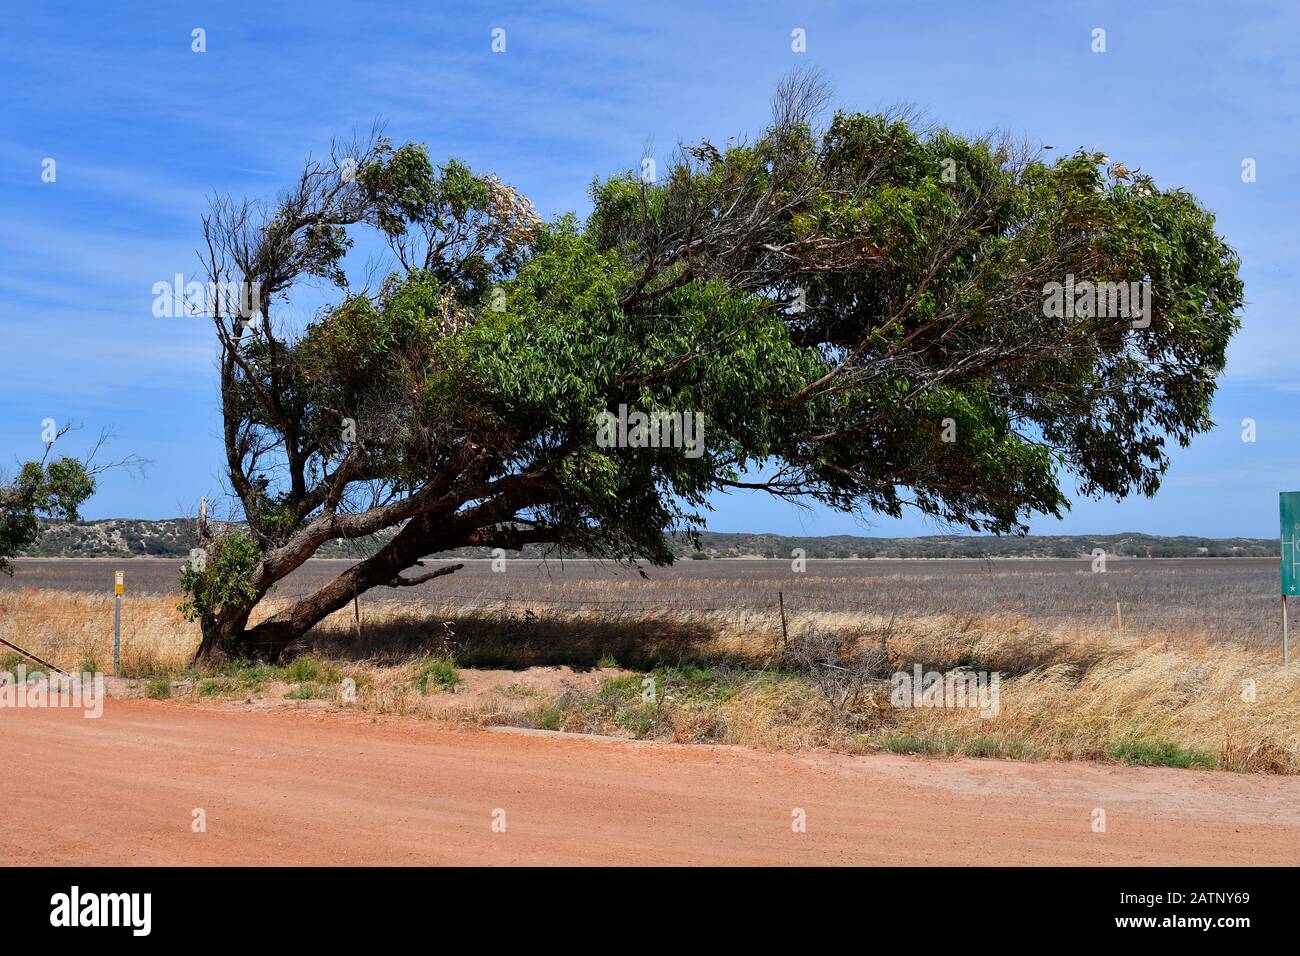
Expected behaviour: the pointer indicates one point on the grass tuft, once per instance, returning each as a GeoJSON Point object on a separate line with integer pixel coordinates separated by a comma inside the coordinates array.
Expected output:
{"type": "Point", "coordinates": [436, 673]}
{"type": "Point", "coordinates": [308, 669]}
{"type": "Point", "coordinates": [1160, 753]}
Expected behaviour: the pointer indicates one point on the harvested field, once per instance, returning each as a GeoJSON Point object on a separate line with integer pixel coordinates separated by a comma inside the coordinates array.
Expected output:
{"type": "Point", "coordinates": [1228, 599]}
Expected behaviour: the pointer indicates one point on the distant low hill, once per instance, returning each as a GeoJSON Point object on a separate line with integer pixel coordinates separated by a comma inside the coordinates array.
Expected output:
{"type": "Point", "coordinates": [1131, 544]}
{"type": "Point", "coordinates": [173, 538]}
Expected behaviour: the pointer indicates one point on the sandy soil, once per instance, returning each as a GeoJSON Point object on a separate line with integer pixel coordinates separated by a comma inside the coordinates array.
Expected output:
{"type": "Point", "coordinates": [305, 787]}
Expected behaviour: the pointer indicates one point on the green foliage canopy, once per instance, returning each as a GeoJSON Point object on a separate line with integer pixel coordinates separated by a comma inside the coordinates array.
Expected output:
{"type": "Point", "coordinates": [53, 489]}
{"type": "Point", "coordinates": [857, 313]}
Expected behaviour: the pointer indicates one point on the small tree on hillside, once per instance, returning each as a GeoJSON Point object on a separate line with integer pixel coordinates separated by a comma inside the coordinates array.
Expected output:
{"type": "Point", "coordinates": [857, 312]}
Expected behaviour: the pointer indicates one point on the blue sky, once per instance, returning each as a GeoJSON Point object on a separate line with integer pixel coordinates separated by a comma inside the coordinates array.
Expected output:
{"type": "Point", "coordinates": [141, 128]}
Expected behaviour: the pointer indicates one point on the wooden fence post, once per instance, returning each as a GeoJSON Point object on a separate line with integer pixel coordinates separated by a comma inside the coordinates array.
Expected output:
{"type": "Point", "coordinates": [785, 634]}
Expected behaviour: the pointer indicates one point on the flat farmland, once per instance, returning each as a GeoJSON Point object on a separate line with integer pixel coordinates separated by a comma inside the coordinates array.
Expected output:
{"type": "Point", "coordinates": [1221, 599]}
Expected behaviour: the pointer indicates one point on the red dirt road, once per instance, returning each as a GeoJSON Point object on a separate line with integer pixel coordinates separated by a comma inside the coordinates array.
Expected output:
{"type": "Point", "coordinates": [300, 787]}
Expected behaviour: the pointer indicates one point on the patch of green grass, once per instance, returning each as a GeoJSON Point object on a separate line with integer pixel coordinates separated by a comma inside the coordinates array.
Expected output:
{"type": "Point", "coordinates": [619, 705]}
{"type": "Point", "coordinates": [1159, 753]}
{"type": "Point", "coordinates": [237, 679]}
{"type": "Point", "coordinates": [615, 691]}
{"type": "Point", "coordinates": [607, 661]}
{"type": "Point", "coordinates": [255, 674]}
{"type": "Point", "coordinates": [641, 722]}
{"type": "Point", "coordinates": [436, 673]}
{"type": "Point", "coordinates": [715, 684]}
{"type": "Point", "coordinates": [547, 716]}
{"type": "Point", "coordinates": [304, 692]}
{"type": "Point", "coordinates": [159, 688]}
{"type": "Point", "coordinates": [308, 669]}
{"type": "Point", "coordinates": [218, 687]}
{"type": "Point", "coordinates": [616, 705]}
{"type": "Point", "coordinates": [688, 673]}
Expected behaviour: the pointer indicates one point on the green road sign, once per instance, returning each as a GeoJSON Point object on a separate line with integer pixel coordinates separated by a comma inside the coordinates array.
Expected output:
{"type": "Point", "coordinates": [1290, 506]}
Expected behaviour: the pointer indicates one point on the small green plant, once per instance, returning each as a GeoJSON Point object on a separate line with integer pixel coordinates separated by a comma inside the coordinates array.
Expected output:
{"type": "Point", "coordinates": [307, 669]}
{"type": "Point", "coordinates": [255, 674]}
{"type": "Point", "coordinates": [159, 688]}
{"type": "Point", "coordinates": [1159, 753]}
{"type": "Point", "coordinates": [607, 660]}
{"type": "Point", "coordinates": [548, 715]}
{"type": "Point", "coordinates": [303, 692]}
{"type": "Point", "coordinates": [225, 578]}
{"type": "Point", "coordinates": [217, 687]}
{"type": "Point", "coordinates": [616, 693]}
{"type": "Point", "coordinates": [639, 721]}
{"type": "Point", "coordinates": [436, 673]}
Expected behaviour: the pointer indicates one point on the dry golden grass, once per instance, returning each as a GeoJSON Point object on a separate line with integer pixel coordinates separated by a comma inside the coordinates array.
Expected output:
{"type": "Point", "coordinates": [1225, 704]}
{"type": "Point", "coordinates": [75, 630]}
{"type": "Point", "coordinates": [1065, 693]}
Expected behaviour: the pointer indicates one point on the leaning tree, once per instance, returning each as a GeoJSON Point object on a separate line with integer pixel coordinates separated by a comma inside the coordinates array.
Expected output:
{"type": "Point", "coordinates": [855, 308]}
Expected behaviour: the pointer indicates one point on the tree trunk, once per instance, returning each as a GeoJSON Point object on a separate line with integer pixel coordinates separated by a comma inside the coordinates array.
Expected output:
{"type": "Point", "coordinates": [273, 638]}
{"type": "Point", "coordinates": [222, 636]}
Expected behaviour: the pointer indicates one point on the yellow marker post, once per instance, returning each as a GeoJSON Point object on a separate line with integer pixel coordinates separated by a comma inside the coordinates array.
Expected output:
{"type": "Point", "coordinates": [119, 585]}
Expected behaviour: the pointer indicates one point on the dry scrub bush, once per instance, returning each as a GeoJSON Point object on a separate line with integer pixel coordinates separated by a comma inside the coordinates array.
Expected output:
{"type": "Point", "coordinates": [843, 664]}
